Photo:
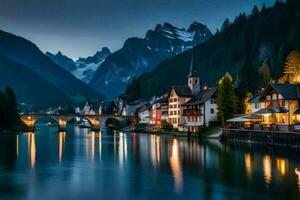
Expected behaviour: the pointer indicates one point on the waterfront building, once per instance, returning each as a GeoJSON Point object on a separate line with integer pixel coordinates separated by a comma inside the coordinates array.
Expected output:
{"type": "Point", "coordinates": [155, 113]}
{"type": "Point", "coordinates": [278, 106]}
{"type": "Point", "coordinates": [131, 108]}
{"type": "Point", "coordinates": [164, 107]}
{"type": "Point", "coordinates": [144, 114]}
{"type": "Point", "coordinates": [200, 111]}
{"type": "Point", "coordinates": [191, 106]}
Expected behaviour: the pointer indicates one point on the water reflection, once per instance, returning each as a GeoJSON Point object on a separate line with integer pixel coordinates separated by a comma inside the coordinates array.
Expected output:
{"type": "Point", "coordinates": [144, 165]}
{"type": "Point", "coordinates": [100, 144]}
{"type": "Point", "coordinates": [122, 149]}
{"type": "Point", "coordinates": [61, 141]}
{"type": "Point", "coordinates": [267, 168]}
{"type": "Point", "coordinates": [17, 145]}
{"type": "Point", "coordinates": [31, 148]}
{"type": "Point", "coordinates": [176, 166]}
{"type": "Point", "coordinates": [297, 172]}
{"type": "Point", "coordinates": [155, 150]}
{"type": "Point", "coordinates": [281, 166]}
{"type": "Point", "coordinates": [248, 164]}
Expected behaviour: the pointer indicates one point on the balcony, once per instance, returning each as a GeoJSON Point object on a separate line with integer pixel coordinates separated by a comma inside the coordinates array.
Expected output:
{"type": "Point", "coordinates": [188, 112]}
{"type": "Point", "coordinates": [193, 123]}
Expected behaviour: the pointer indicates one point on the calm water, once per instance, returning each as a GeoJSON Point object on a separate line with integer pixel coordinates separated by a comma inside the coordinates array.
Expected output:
{"type": "Point", "coordinates": [80, 164]}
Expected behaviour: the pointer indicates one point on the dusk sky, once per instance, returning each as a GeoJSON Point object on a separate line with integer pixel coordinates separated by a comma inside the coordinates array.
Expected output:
{"type": "Point", "coordinates": [79, 28]}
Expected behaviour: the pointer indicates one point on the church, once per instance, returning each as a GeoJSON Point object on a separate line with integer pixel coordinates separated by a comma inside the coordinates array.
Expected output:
{"type": "Point", "coordinates": [192, 106]}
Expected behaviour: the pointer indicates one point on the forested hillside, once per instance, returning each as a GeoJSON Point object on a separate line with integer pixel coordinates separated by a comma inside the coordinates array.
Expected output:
{"type": "Point", "coordinates": [252, 48]}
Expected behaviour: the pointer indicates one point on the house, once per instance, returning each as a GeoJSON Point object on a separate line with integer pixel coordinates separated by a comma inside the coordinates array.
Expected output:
{"type": "Point", "coordinates": [200, 111]}
{"type": "Point", "coordinates": [131, 109]}
{"type": "Point", "coordinates": [278, 106]}
{"type": "Point", "coordinates": [144, 114]}
{"type": "Point", "coordinates": [164, 108]}
{"type": "Point", "coordinates": [191, 106]}
{"type": "Point", "coordinates": [155, 113]}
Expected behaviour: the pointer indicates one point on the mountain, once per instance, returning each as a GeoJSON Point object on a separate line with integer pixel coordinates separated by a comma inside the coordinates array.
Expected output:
{"type": "Point", "coordinates": [32, 93]}
{"type": "Point", "coordinates": [265, 36]}
{"type": "Point", "coordinates": [83, 68]}
{"type": "Point", "coordinates": [62, 60]}
{"type": "Point", "coordinates": [26, 56]}
{"type": "Point", "coordinates": [86, 67]}
{"type": "Point", "coordinates": [139, 55]}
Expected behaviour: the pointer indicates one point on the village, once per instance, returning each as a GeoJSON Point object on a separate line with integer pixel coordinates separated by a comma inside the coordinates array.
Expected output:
{"type": "Point", "coordinates": [193, 107]}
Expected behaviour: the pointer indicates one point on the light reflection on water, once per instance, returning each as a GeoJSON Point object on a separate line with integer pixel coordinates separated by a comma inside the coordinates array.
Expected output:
{"type": "Point", "coordinates": [141, 165]}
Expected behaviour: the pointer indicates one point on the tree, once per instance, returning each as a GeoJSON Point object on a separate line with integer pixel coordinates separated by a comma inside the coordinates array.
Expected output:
{"type": "Point", "coordinates": [292, 67]}
{"type": "Point", "coordinates": [226, 100]}
{"type": "Point", "coordinates": [265, 74]}
{"type": "Point", "coordinates": [255, 11]}
{"type": "Point", "coordinates": [9, 114]}
{"type": "Point", "coordinates": [225, 25]}
{"type": "Point", "coordinates": [249, 77]}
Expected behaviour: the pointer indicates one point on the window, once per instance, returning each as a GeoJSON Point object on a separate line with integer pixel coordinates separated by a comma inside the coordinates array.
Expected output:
{"type": "Point", "coordinates": [212, 100]}
{"type": "Point", "coordinates": [274, 96]}
{"type": "Point", "coordinates": [171, 100]}
{"type": "Point", "coordinates": [175, 112]}
{"type": "Point", "coordinates": [212, 111]}
{"type": "Point", "coordinates": [196, 81]}
{"type": "Point", "coordinates": [268, 97]}
{"type": "Point", "coordinates": [256, 105]}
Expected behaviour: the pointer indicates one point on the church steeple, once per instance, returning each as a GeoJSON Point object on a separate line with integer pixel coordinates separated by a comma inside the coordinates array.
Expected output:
{"type": "Point", "coordinates": [194, 77]}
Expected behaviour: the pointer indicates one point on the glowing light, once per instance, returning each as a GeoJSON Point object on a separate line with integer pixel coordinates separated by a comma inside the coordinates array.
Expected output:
{"type": "Point", "coordinates": [267, 168]}
{"type": "Point", "coordinates": [297, 172]}
{"type": "Point", "coordinates": [100, 144]}
{"type": "Point", "coordinates": [61, 141]}
{"type": "Point", "coordinates": [281, 166]}
{"type": "Point", "coordinates": [248, 164]}
{"type": "Point", "coordinates": [17, 145]}
{"type": "Point", "coordinates": [32, 149]}
{"type": "Point", "coordinates": [176, 167]}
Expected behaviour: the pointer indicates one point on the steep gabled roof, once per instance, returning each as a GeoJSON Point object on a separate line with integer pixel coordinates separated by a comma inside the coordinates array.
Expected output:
{"type": "Point", "coordinates": [183, 91]}
{"type": "Point", "coordinates": [202, 97]}
{"type": "Point", "coordinates": [288, 91]}
{"type": "Point", "coordinates": [255, 98]}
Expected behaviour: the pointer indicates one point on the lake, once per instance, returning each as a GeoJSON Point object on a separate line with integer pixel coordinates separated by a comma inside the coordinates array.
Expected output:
{"type": "Point", "coordinates": [80, 164]}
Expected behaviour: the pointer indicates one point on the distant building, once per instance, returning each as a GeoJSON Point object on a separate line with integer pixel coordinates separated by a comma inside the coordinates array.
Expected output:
{"type": "Point", "coordinates": [144, 114]}
{"type": "Point", "coordinates": [278, 106]}
{"type": "Point", "coordinates": [191, 106]}
{"type": "Point", "coordinates": [131, 109]}
{"type": "Point", "coordinates": [155, 113]}
{"type": "Point", "coordinates": [200, 111]}
{"type": "Point", "coordinates": [164, 107]}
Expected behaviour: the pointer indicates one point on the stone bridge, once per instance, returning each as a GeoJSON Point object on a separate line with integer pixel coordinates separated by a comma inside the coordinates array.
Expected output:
{"type": "Point", "coordinates": [95, 121]}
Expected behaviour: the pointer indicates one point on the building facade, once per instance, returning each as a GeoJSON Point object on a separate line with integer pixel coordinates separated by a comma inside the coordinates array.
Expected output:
{"type": "Point", "coordinates": [278, 106]}
{"type": "Point", "coordinates": [200, 111]}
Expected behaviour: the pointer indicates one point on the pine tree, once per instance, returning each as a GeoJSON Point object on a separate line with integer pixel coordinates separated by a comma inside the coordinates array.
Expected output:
{"type": "Point", "coordinates": [12, 114]}
{"type": "Point", "coordinates": [255, 11]}
{"type": "Point", "coordinates": [226, 99]}
{"type": "Point", "coordinates": [265, 74]}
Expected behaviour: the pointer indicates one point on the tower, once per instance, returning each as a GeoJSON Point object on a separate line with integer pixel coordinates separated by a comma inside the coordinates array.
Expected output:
{"type": "Point", "coordinates": [194, 78]}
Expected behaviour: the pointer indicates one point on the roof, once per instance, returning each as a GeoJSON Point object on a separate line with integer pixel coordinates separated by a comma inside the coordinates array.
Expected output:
{"type": "Point", "coordinates": [272, 110]}
{"type": "Point", "coordinates": [183, 91]}
{"type": "Point", "coordinates": [297, 112]}
{"type": "Point", "coordinates": [287, 90]}
{"type": "Point", "coordinates": [255, 98]}
{"type": "Point", "coordinates": [202, 97]}
{"type": "Point", "coordinates": [145, 107]}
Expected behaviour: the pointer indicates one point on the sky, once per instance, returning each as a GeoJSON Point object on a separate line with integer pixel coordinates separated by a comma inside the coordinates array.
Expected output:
{"type": "Point", "coordinates": [79, 28]}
